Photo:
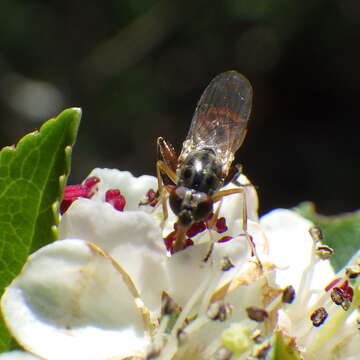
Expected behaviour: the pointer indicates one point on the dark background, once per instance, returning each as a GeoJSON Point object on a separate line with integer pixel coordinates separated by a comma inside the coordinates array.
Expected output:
{"type": "Point", "coordinates": [137, 68]}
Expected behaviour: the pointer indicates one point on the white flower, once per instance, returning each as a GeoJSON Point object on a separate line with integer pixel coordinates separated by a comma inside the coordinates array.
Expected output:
{"type": "Point", "coordinates": [110, 289]}
{"type": "Point", "coordinates": [17, 355]}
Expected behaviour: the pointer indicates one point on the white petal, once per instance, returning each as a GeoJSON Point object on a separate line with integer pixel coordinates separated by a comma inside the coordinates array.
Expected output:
{"type": "Point", "coordinates": [71, 302]}
{"type": "Point", "coordinates": [290, 248]}
{"type": "Point", "coordinates": [187, 272]}
{"type": "Point", "coordinates": [133, 188]}
{"type": "Point", "coordinates": [238, 251]}
{"type": "Point", "coordinates": [18, 355]}
{"type": "Point", "coordinates": [133, 238]}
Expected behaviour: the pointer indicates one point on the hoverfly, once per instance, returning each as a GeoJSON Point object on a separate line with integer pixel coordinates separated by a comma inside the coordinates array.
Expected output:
{"type": "Point", "coordinates": [217, 130]}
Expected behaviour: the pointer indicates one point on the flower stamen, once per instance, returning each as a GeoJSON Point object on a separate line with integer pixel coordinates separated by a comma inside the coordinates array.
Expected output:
{"type": "Point", "coordinates": [73, 192]}
{"type": "Point", "coordinates": [219, 310]}
{"type": "Point", "coordinates": [114, 197]}
{"type": "Point", "coordinates": [288, 294]}
{"type": "Point", "coordinates": [319, 316]}
{"type": "Point", "coordinates": [257, 314]}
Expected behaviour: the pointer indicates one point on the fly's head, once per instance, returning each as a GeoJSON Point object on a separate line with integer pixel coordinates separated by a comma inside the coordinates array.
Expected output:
{"type": "Point", "coordinates": [190, 205]}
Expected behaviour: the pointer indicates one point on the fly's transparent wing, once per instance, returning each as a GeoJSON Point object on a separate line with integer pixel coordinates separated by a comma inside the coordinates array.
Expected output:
{"type": "Point", "coordinates": [220, 119]}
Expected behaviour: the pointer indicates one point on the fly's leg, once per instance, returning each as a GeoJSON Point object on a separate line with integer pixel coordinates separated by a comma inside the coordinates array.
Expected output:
{"type": "Point", "coordinates": [165, 166]}
{"type": "Point", "coordinates": [215, 217]}
{"type": "Point", "coordinates": [249, 238]}
{"type": "Point", "coordinates": [180, 238]}
{"type": "Point", "coordinates": [167, 155]}
{"type": "Point", "coordinates": [219, 195]}
{"type": "Point", "coordinates": [162, 168]}
{"type": "Point", "coordinates": [211, 224]}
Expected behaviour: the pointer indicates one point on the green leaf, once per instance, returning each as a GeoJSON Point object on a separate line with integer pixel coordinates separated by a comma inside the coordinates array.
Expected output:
{"type": "Point", "coordinates": [282, 348]}
{"type": "Point", "coordinates": [32, 179]}
{"type": "Point", "coordinates": [341, 232]}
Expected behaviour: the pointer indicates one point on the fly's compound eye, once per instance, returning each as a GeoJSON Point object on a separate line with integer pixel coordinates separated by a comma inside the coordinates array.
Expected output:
{"type": "Point", "coordinates": [176, 199]}
{"type": "Point", "coordinates": [204, 206]}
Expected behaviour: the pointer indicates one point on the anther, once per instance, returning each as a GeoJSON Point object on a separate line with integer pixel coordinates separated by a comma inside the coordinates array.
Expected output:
{"type": "Point", "coordinates": [169, 242]}
{"type": "Point", "coordinates": [348, 290]}
{"type": "Point", "coordinates": [324, 252]}
{"type": "Point", "coordinates": [90, 183]}
{"type": "Point", "coordinates": [319, 316]}
{"type": "Point", "coordinates": [352, 273]}
{"type": "Point", "coordinates": [288, 295]}
{"type": "Point", "coordinates": [219, 310]}
{"type": "Point", "coordinates": [152, 198]}
{"type": "Point", "coordinates": [257, 314]}
{"type": "Point", "coordinates": [316, 233]}
{"type": "Point", "coordinates": [73, 192]}
{"type": "Point", "coordinates": [196, 228]}
{"type": "Point", "coordinates": [257, 337]}
{"type": "Point", "coordinates": [226, 264]}
{"type": "Point", "coordinates": [224, 239]}
{"type": "Point", "coordinates": [337, 295]}
{"type": "Point", "coordinates": [115, 198]}
{"type": "Point", "coordinates": [221, 225]}
{"type": "Point", "coordinates": [168, 305]}
{"type": "Point", "coordinates": [262, 351]}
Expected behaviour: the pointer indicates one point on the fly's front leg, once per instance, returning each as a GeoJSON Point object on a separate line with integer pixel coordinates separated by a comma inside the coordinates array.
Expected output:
{"type": "Point", "coordinates": [162, 168]}
{"type": "Point", "coordinates": [167, 153]}
{"type": "Point", "coordinates": [220, 194]}
{"type": "Point", "coordinates": [166, 166]}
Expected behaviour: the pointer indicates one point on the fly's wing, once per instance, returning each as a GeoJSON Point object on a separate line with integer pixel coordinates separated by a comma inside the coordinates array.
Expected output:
{"type": "Point", "coordinates": [220, 119]}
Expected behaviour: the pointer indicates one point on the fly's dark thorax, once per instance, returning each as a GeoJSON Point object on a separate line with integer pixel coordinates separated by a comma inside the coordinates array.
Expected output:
{"type": "Point", "coordinates": [200, 171]}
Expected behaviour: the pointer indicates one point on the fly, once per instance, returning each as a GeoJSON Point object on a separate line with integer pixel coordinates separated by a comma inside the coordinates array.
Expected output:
{"type": "Point", "coordinates": [217, 130]}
